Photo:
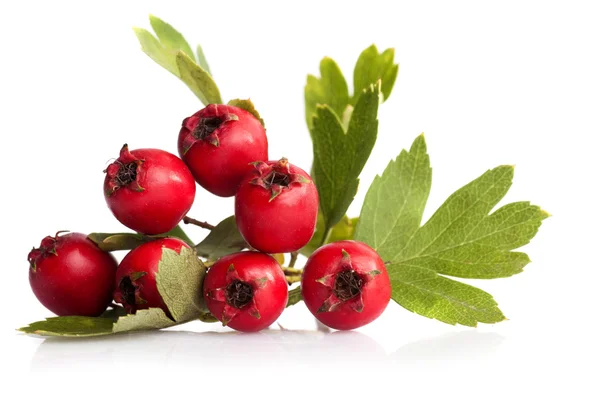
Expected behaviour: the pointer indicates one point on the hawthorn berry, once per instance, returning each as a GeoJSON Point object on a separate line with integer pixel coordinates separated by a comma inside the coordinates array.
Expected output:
{"type": "Point", "coordinates": [70, 275]}
{"type": "Point", "coordinates": [135, 286]}
{"type": "Point", "coordinates": [276, 207]}
{"type": "Point", "coordinates": [246, 291]}
{"type": "Point", "coordinates": [345, 285]}
{"type": "Point", "coordinates": [149, 190]}
{"type": "Point", "coordinates": [218, 142]}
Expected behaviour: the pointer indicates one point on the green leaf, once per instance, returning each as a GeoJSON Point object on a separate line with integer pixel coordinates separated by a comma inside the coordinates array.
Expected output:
{"type": "Point", "coordinates": [110, 242]}
{"type": "Point", "coordinates": [461, 239]}
{"type": "Point", "coordinates": [202, 60]}
{"type": "Point", "coordinates": [372, 67]}
{"type": "Point", "coordinates": [424, 292]}
{"type": "Point", "coordinates": [169, 37]}
{"type": "Point", "coordinates": [198, 80]}
{"type": "Point", "coordinates": [247, 105]}
{"type": "Point", "coordinates": [343, 230]}
{"type": "Point", "coordinates": [340, 156]}
{"type": "Point", "coordinates": [179, 281]}
{"type": "Point", "coordinates": [81, 326]}
{"type": "Point", "coordinates": [394, 205]}
{"type": "Point", "coordinates": [128, 241]}
{"type": "Point", "coordinates": [173, 53]}
{"type": "Point", "coordinates": [155, 50]}
{"type": "Point", "coordinates": [331, 89]}
{"type": "Point", "coordinates": [294, 296]}
{"type": "Point", "coordinates": [224, 239]}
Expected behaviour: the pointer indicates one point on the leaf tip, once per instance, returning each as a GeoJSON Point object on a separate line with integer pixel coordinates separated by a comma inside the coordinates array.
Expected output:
{"type": "Point", "coordinates": [545, 214]}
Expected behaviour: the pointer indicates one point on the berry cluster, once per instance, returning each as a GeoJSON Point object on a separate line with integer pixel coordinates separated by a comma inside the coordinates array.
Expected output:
{"type": "Point", "coordinates": [225, 150]}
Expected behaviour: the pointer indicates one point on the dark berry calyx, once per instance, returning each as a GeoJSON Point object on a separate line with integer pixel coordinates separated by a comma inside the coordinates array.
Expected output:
{"type": "Point", "coordinates": [205, 126]}
{"type": "Point", "coordinates": [128, 292]}
{"type": "Point", "coordinates": [276, 177]}
{"type": "Point", "coordinates": [125, 172]}
{"type": "Point", "coordinates": [346, 285]}
{"type": "Point", "coordinates": [239, 294]}
{"type": "Point", "coordinates": [47, 248]}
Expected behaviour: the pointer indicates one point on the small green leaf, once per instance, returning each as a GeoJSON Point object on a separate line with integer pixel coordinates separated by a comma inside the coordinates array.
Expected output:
{"type": "Point", "coordinates": [81, 326]}
{"type": "Point", "coordinates": [372, 67]}
{"type": "Point", "coordinates": [394, 204]}
{"type": "Point", "coordinates": [110, 242]}
{"type": "Point", "coordinates": [70, 326]}
{"type": "Point", "coordinates": [179, 281]}
{"type": "Point", "coordinates": [424, 292]}
{"type": "Point", "coordinates": [331, 89]}
{"type": "Point", "coordinates": [155, 50]}
{"type": "Point", "coordinates": [343, 230]}
{"type": "Point", "coordinates": [128, 241]}
{"type": "Point", "coordinates": [222, 240]}
{"type": "Point", "coordinates": [197, 79]}
{"type": "Point", "coordinates": [294, 296]}
{"type": "Point", "coordinates": [202, 60]}
{"type": "Point", "coordinates": [340, 156]}
{"type": "Point", "coordinates": [247, 105]}
{"type": "Point", "coordinates": [169, 37]}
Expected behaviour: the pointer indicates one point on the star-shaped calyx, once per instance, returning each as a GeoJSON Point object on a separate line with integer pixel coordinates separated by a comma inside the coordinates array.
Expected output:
{"type": "Point", "coordinates": [47, 248]}
{"type": "Point", "coordinates": [129, 292]}
{"type": "Point", "coordinates": [237, 294]}
{"type": "Point", "coordinates": [205, 126]}
{"type": "Point", "coordinates": [346, 285]}
{"type": "Point", "coordinates": [125, 172]}
{"type": "Point", "coordinates": [276, 177]}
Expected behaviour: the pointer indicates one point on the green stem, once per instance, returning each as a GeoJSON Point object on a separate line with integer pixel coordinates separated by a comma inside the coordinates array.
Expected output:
{"type": "Point", "coordinates": [293, 279]}
{"type": "Point", "coordinates": [326, 236]}
{"type": "Point", "coordinates": [293, 259]}
{"type": "Point", "coordinates": [291, 271]}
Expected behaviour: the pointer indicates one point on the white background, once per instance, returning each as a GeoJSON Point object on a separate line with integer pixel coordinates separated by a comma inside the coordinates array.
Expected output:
{"type": "Point", "coordinates": [488, 84]}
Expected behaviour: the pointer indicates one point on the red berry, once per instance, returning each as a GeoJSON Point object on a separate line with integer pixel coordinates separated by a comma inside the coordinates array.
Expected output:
{"type": "Point", "coordinates": [276, 207]}
{"type": "Point", "coordinates": [136, 276]}
{"type": "Point", "coordinates": [218, 143]}
{"type": "Point", "coordinates": [246, 291]}
{"type": "Point", "coordinates": [70, 275]}
{"type": "Point", "coordinates": [149, 190]}
{"type": "Point", "coordinates": [345, 285]}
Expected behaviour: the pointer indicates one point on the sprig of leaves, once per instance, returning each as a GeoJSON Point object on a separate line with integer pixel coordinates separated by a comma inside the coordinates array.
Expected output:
{"type": "Point", "coordinates": [331, 88]}
{"type": "Point", "coordinates": [339, 155]}
{"type": "Point", "coordinates": [461, 239]}
{"type": "Point", "coordinates": [170, 50]}
{"type": "Point", "coordinates": [179, 281]}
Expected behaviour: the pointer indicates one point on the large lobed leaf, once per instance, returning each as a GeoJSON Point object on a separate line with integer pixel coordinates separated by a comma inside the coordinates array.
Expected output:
{"type": "Point", "coordinates": [171, 51]}
{"type": "Point", "coordinates": [340, 156]}
{"type": "Point", "coordinates": [461, 239]}
{"type": "Point", "coordinates": [179, 281]}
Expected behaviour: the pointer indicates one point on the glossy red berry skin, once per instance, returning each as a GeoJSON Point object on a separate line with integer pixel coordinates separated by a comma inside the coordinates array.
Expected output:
{"type": "Point", "coordinates": [246, 291]}
{"type": "Point", "coordinates": [345, 285]}
{"type": "Point", "coordinates": [218, 143]}
{"type": "Point", "coordinates": [135, 282]}
{"type": "Point", "coordinates": [277, 217]}
{"type": "Point", "coordinates": [149, 190]}
{"type": "Point", "coordinates": [70, 275]}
